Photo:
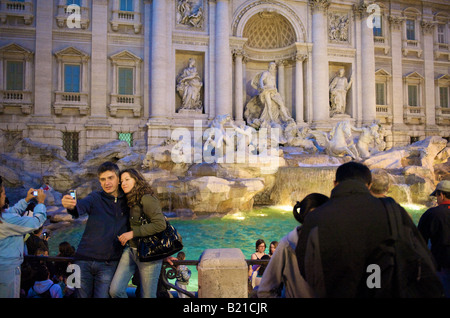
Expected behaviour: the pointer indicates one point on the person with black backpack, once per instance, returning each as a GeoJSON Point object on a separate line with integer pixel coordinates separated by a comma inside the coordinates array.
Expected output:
{"type": "Point", "coordinates": [434, 225]}
{"type": "Point", "coordinates": [44, 287]}
{"type": "Point", "coordinates": [347, 249]}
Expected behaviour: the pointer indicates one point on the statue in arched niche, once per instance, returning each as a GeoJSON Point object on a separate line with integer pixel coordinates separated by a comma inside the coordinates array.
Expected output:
{"type": "Point", "coordinates": [189, 87]}
{"type": "Point", "coordinates": [268, 107]}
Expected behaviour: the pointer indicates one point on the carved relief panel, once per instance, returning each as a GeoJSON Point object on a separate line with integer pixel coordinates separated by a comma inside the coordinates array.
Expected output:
{"type": "Point", "coordinates": [339, 27]}
{"type": "Point", "coordinates": [190, 14]}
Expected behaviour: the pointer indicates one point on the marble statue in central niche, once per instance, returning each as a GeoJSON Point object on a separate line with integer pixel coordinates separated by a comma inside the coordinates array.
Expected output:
{"type": "Point", "coordinates": [267, 108]}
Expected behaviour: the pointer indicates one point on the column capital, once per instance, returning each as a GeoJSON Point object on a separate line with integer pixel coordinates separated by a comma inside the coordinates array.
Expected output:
{"type": "Point", "coordinates": [237, 52]}
{"type": "Point", "coordinates": [299, 57]}
{"type": "Point", "coordinates": [281, 62]}
{"type": "Point", "coordinates": [319, 5]}
{"type": "Point", "coordinates": [427, 27]}
{"type": "Point", "coordinates": [396, 22]}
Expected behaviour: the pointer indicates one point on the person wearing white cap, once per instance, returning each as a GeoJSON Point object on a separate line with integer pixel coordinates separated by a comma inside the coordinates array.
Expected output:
{"type": "Point", "coordinates": [434, 225]}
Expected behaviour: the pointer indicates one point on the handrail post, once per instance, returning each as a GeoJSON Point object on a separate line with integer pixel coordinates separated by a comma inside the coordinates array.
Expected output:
{"type": "Point", "coordinates": [222, 273]}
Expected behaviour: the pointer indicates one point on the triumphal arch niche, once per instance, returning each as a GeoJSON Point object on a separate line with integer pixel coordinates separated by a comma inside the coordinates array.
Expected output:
{"type": "Point", "coordinates": [269, 38]}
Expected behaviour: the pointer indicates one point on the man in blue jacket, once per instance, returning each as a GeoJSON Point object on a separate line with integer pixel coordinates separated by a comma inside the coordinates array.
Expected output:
{"type": "Point", "coordinates": [99, 251]}
{"type": "Point", "coordinates": [13, 226]}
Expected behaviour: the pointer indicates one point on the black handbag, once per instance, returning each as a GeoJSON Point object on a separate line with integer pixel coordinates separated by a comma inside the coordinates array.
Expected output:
{"type": "Point", "coordinates": [160, 245]}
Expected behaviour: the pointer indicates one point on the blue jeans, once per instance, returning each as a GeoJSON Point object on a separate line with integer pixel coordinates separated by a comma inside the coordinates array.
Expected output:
{"type": "Point", "coordinates": [148, 272]}
{"type": "Point", "coordinates": [96, 278]}
{"type": "Point", "coordinates": [444, 275]}
{"type": "Point", "coordinates": [10, 281]}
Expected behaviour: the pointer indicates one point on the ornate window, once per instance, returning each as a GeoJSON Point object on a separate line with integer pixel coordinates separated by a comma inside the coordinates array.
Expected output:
{"type": "Point", "coordinates": [76, 11]}
{"type": "Point", "coordinates": [71, 145]}
{"type": "Point", "coordinates": [443, 100]}
{"type": "Point", "coordinates": [22, 9]}
{"type": "Point", "coordinates": [382, 89]}
{"type": "Point", "coordinates": [126, 13]}
{"type": "Point", "coordinates": [410, 29]}
{"type": "Point", "coordinates": [380, 25]}
{"type": "Point", "coordinates": [413, 110]}
{"type": "Point", "coordinates": [128, 137]}
{"type": "Point", "coordinates": [15, 78]}
{"type": "Point", "coordinates": [443, 96]}
{"type": "Point", "coordinates": [72, 90]}
{"type": "Point", "coordinates": [411, 42]}
{"type": "Point", "coordinates": [442, 31]}
{"type": "Point", "coordinates": [126, 84]}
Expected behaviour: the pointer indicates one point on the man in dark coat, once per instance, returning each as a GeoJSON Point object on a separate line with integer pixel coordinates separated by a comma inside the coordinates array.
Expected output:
{"type": "Point", "coordinates": [337, 238]}
{"type": "Point", "coordinates": [434, 225]}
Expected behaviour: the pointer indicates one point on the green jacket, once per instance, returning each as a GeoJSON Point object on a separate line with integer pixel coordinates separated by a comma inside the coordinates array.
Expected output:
{"type": "Point", "coordinates": [151, 209]}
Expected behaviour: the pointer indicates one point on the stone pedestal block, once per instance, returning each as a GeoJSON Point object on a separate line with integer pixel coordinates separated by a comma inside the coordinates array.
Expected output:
{"type": "Point", "coordinates": [222, 273]}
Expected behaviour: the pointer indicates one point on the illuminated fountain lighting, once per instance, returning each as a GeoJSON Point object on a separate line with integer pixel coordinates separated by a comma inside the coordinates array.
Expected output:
{"type": "Point", "coordinates": [284, 208]}
{"type": "Point", "coordinates": [235, 216]}
{"type": "Point", "coordinates": [408, 203]}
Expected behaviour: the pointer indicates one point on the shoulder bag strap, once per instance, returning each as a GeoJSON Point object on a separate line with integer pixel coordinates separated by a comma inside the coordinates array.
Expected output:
{"type": "Point", "coordinates": [392, 215]}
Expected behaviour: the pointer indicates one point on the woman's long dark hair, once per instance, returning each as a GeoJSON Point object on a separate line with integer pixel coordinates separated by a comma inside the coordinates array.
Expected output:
{"type": "Point", "coordinates": [311, 201]}
{"type": "Point", "coordinates": [140, 188]}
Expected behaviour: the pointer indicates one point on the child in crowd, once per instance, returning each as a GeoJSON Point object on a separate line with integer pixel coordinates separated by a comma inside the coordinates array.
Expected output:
{"type": "Point", "coordinates": [183, 275]}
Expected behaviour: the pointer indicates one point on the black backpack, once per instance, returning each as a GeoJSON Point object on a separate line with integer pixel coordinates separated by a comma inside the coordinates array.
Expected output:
{"type": "Point", "coordinates": [406, 266]}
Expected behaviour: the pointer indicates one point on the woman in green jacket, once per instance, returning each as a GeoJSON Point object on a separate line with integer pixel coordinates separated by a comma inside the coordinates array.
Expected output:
{"type": "Point", "coordinates": [142, 203]}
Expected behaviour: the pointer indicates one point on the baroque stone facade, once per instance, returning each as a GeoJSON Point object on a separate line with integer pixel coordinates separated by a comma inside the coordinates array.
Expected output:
{"type": "Point", "coordinates": [79, 74]}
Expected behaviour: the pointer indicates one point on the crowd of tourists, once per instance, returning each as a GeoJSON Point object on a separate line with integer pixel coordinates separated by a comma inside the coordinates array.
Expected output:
{"type": "Point", "coordinates": [339, 248]}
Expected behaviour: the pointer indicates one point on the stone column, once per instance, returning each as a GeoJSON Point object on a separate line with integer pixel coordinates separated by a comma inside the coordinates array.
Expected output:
{"type": "Point", "coordinates": [320, 96]}
{"type": "Point", "coordinates": [43, 59]}
{"type": "Point", "coordinates": [137, 90]}
{"type": "Point", "coordinates": [158, 64]}
{"type": "Point", "coordinates": [429, 88]}
{"type": "Point", "coordinates": [223, 64]}
{"type": "Point", "coordinates": [222, 273]}
{"type": "Point", "coordinates": [99, 65]}
{"type": "Point", "coordinates": [85, 70]}
{"type": "Point", "coordinates": [238, 85]}
{"type": "Point", "coordinates": [2, 61]}
{"type": "Point", "coordinates": [281, 84]}
{"type": "Point", "coordinates": [28, 72]}
{"type": "Point", "coordinates": [397, 70]}
{"type": "Point", "coordinates": [399, 129]}
{"type": "Point", "coordinates": [299, 58]}
{"type": "Point", "coordinates": [368, 100]}
{"type": "Point", "coordinates": [146, 59]}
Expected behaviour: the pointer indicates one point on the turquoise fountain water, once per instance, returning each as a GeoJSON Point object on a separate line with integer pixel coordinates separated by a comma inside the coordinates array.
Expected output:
{"type": "Point", "coordinates": [239, 230]}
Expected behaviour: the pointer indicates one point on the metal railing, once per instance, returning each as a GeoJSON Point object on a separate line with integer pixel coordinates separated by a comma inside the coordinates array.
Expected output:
{"type": "Point", "coordinates": [168, 271]}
